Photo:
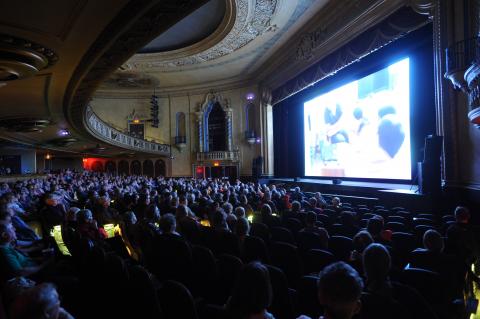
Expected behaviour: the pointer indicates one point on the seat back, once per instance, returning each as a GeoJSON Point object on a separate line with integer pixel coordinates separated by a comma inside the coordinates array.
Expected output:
{"type": "Point", "coordinates": [228, 270]}
{"type": "Point", "coordinates": [286, 257]}
{"type": "Point", "coordinates": [282, 305]}
{"type": "Point", "coordinates": [254, 248]}
{"type": "Point", "coordinates": [282, 234]}
{"type": "Point", "coordinates": [307, 297]}
{"type": "Point", "coordinates": [317, 259]}
{"type": "Point", "coordinates": [176, 301]}
{"type": "Point", "coordinates": [144, 300]}
{"type": "Point", "coordinates": [341, 247]}
{"type": "Point", "coordinates": [260, 230]}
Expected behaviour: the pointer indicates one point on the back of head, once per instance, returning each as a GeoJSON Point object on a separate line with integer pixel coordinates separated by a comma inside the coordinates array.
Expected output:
{"type": "Point", "coordinates": [375, 225]}
{"type": "Point", "coordinates": [152, 213]}
{"type": "Point", "coordinates": [377, 263]}
{"type": "Point", "coordinates": [310, 219]}
{"type": "Point", "coordinates": [361, 240]}
{"type": "Point", "coordinates": [84, 215]}
{"type": "Point", "coordinates": [339, 290]}
{"type": "Point", "coordinates": [240, 212]}
{"type": "Point", "coordinates": [296, 206]}
{"type": "Point", "coordinates": [462, 215]}
{"type": "Point", "coordinates": [433, 241]}
{"type": "Point", "coordinates": [242, 227]}
{"type": "Point", "coordinates": [181, 212]}
{"type": "Point", "coordinates": [39, 302]}
{"type": "Point", "coordinates": [167, 223]}
{"type": "Point", "coordinates": [252, 293]}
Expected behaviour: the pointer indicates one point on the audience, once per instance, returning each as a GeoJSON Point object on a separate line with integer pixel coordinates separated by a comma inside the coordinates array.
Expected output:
{"type": "Point", "coordinates": [184, 203]}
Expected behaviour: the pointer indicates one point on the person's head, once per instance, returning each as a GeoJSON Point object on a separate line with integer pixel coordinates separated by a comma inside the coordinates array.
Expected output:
{"type": "Point", "coordinates": [181, 212]}
{"type": "Point", "coordinates": [296, 206]}
{"type": "Point", "coordinates": [167, 223]}
{"type": "Point", "coordinates": [433, 241]}
{"type": "Point", "coordinates": [72, 214]}
{"type": "Point", "coordinates": [462, 215]}
{"type": "Point", "coordinates": [311, 219]}
{"type": "Point", "coordinates": [219, 219]}
{"type": "Point", "coordinates": [7, 233]}
{"type": "Point", "coordinates": [152, 214]}
{"type": "Point", "coordinates": [266, 210]}
{"type": "Point", "coordinates": [240, 212]}
{"type": "Point", "coordinates": [228, 208]}
{"type": "Point", "coordinates": [252, 293]}
{"type": "Point", "coordinates": [51, 200]}
{"type": "Point", "coordinates": [339, 291]}
{"type": "Point", "coordinates": [375, 226]}
{"type": "Point", "coordinates": [336, 201]}
{"type": "Point", "coordinates": [39, 302]}
{"type": "Point", "coordinates": [312, 201]}
{"type": "Point", "coordinates": [361, 241]}
{"type": "Point", "coordinates": [84, 216]}
{"type": "Point", "coordinates": [242, 227]}
{"type": "Point", "coordinates": [376, 263]}
{"type": "Point", "coordinates": [130, 218]}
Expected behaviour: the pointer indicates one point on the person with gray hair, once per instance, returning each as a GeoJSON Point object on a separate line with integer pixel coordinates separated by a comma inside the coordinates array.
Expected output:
{"type": "Point", "coordinates": [168, 224]}
{"type": "Point", "coordinates": [39, 302]}
{"type": "Point", "coordinates": [240, 212]}
{"type": "Point", "coordinates": [242, 228]}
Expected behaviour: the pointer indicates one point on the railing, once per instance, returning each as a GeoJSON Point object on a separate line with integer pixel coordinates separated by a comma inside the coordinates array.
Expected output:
{"type": "Point", "coordinates": [219, 156]}
{"type": "Point", "coordinates": [110, 135]}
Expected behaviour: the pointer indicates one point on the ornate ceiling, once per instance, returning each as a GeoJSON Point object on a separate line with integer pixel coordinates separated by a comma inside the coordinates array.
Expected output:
{"type": "Point", "coordinates": [249, 32]}
{"type": "Point", "coordinates": [56, 54]}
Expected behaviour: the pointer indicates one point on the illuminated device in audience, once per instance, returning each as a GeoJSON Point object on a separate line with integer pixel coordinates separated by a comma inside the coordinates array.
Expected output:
{"type": "Point", "coordinates": [205, 222]}
{"type": "Point", "coordinates": [56, 233]}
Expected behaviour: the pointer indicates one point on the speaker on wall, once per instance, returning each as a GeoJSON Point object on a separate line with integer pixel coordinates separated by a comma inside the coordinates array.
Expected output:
{"type": "Point", "coordinates": [433, 148]}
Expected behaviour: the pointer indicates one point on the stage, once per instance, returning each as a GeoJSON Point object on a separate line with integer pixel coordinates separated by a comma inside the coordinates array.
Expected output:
{"type": "Point", "coordinates": [370, 193]}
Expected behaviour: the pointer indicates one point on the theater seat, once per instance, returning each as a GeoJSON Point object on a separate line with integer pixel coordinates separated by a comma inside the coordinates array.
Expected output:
{"type": "Point", "coordinates": [176, 301]}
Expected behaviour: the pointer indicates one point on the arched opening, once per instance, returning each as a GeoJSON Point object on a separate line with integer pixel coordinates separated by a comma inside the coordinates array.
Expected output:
{"type": "Point", "coordinates": [181, 131]}
{"type": "Point", "coordinates": [111, 167]}
{"type": "Point", "coordinates": [217, 133]}
{"type": "Point", "coordinates": [148, 168]}
{"type": "Point", "coordinates": [97, 166]}
{"type": "Point", "coordinates": [136, 168]}
{"type": "Point", "coordinates": [249, 121]}
{"type": "Point", "coordinates": [160, 168]}
{"type": "Point", "coordinates": [123, 168]}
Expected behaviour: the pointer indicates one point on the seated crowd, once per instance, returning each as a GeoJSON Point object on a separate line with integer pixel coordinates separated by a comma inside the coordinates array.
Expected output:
{"type": "Point", "coordinates": [186, 248]}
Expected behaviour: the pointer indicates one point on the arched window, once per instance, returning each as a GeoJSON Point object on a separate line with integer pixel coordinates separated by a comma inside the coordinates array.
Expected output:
{"type": "Point", "coordinates": [123, 168]}
{"type": "Point", "coordinates": [136, 168]}
{"type": "Point", "coordinates": [217, 131]}
{"type": "Point", "coordinates": [181, 128]}
{"type": "Point", "coordinates": [97, 166]}
{"type": "Point", "coordinates": [148, 168]}
{"type": "Point", "coordinates": [111, 167]}
{"type": "Point", "coordinates": [249, 120]}
{"type": "Point", "coordinates": [160, 169]}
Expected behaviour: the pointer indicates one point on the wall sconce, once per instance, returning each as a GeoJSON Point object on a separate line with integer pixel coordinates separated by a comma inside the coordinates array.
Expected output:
{"type": "Point", "coordinates": [250, 137]}
{"type": "Point", "coordinates": [181, 143]}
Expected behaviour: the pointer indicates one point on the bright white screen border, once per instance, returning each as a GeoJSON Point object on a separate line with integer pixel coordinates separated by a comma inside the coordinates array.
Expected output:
{"type": "Point", "coordinates": [373, 143]}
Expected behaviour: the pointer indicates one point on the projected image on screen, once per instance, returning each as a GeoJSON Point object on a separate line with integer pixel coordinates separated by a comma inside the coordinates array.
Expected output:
{"type": "Point", "coordinates": [361, 129]}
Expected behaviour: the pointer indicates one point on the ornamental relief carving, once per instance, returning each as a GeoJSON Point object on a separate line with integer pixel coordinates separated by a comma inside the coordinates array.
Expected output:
{"type": "Point", "coordinates": [246, 28]}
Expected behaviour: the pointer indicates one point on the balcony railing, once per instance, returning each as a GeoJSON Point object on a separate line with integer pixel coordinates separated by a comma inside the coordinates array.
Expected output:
{"type": "Point", "coordinates": [219, 156]}
{"type": "Point", "coordinates": [110, 135]}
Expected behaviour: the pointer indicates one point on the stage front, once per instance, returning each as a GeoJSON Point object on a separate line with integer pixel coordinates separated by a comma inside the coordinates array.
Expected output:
{"type": "Point", "coordinates": [370, 193]}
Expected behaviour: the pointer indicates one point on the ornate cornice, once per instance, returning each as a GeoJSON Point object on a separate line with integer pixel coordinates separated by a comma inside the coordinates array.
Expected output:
{"type": "Point", "coordinates": [137, 24]}
{"type": "Point", "coordinates": [252, 20]}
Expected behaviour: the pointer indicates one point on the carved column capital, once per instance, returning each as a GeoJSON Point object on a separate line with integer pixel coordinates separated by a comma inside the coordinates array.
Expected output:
{"type": "Point", "coordinates": [266, 96]}
{"type": "Point", "coordinates": [425, 7]}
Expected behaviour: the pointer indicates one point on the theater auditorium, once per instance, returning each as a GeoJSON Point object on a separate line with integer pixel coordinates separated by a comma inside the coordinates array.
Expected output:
{"type": "Point", "coordinates": [240, 159]}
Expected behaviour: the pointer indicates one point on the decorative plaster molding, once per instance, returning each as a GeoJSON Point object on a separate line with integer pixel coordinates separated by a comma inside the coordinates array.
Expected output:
{"type": "Point", "coordinates": [247, 27]}
{"type": "Point", "coordinates": [425, 7]}
{"type": "Point", "coordinates": [21, 58]}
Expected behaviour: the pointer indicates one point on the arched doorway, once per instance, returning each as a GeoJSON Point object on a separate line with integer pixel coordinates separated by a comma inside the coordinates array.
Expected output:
{"type": "Point", "coordinates": [97, 166]}
{"type": "Point", "coordinates": [111, 167]}
{"type": "Point", "coordinates": [123, 168]}
{"type": "Point", "coordinates": [148, 168]}
{"type": "Point", "coordinates": [160, 168]}
{"type": "Point", "coordinates": [217, 133]}
{"type": "Point", "coordinates": [136, 168]}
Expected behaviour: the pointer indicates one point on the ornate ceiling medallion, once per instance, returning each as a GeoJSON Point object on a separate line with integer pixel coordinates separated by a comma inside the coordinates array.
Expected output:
{"type": "Point", "coordinates": [249, 24]}
{"type": "Point", "coordinates": [21, 58]}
